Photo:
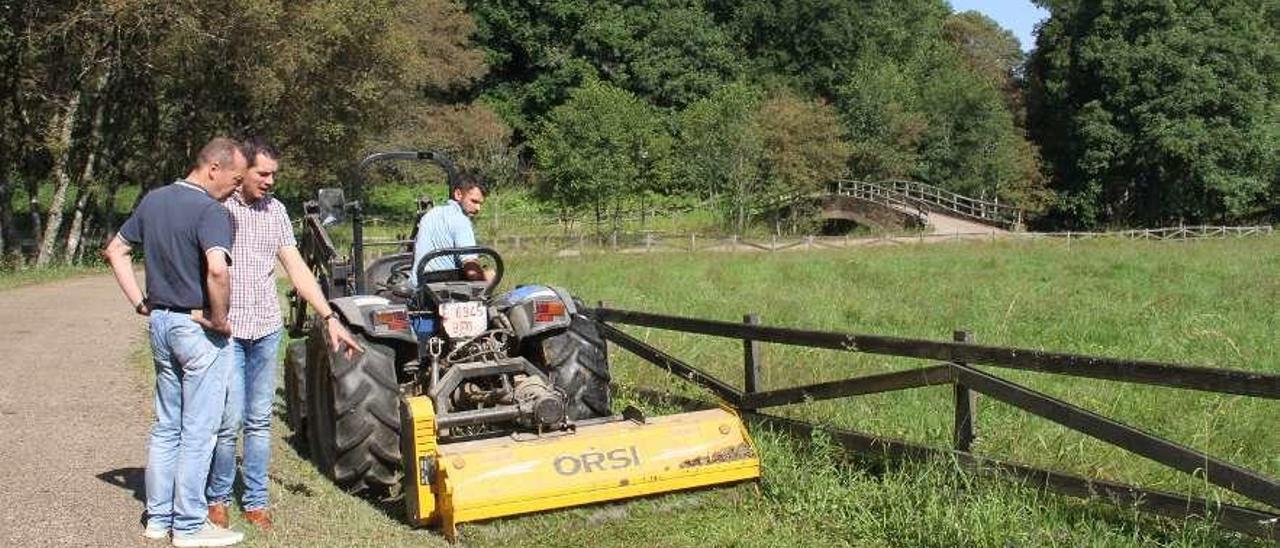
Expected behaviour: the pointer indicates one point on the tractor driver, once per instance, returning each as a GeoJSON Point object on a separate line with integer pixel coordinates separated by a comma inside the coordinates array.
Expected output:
{"type": "Point", "coordinates": [449, 225]}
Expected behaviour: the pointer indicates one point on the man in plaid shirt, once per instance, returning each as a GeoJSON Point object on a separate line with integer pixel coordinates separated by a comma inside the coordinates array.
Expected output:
{"type": "Point", "coordinates": [263, 235]}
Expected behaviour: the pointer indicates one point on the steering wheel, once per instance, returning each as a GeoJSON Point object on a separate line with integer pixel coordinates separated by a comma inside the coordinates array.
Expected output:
{"type": "Point", "coordinates": [455, 252]}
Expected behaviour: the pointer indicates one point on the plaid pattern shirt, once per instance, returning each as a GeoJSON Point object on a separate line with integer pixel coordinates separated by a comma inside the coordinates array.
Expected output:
{"type": "Point", "coordinates": [261, 229]}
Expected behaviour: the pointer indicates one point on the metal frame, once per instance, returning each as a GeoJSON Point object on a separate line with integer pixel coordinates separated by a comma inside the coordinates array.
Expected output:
{"type": "Point", "coordinates": [956, 369]}
{"type": "Point", "coordinates": [441, 390]}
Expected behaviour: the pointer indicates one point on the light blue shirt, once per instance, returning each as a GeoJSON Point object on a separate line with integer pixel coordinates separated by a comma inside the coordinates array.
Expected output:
{"type": "Point", "coordinates": [443, 227]}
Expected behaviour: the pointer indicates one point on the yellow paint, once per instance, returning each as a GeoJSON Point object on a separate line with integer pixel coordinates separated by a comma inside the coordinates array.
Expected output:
{"type": "Point", "coordinates": [417, 448]}
{"type": "Point", "coordinates": [505, 476]}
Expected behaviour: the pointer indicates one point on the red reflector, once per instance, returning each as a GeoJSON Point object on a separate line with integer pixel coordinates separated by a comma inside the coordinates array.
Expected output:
{"type": "Point", "coordinates": [547, 311]}
{"type": "Point", "coordinates": [394, 320]}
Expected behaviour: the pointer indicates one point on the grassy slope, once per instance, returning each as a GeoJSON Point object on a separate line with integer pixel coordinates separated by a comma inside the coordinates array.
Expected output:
{"type": "Point", "coordinates": [1209, 303]}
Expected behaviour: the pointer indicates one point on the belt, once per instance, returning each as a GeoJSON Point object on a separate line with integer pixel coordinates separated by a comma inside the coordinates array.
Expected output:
{"type": "Point", "coordinates": [174, 309]}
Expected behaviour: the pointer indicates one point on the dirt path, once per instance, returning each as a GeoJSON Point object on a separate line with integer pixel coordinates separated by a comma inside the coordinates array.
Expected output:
{"type": "Point", "coordinates": [74, 414]}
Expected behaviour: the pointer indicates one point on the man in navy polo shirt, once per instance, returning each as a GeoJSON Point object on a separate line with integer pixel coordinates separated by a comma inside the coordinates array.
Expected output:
{"type": "Point", "coordinates": [186, 236]}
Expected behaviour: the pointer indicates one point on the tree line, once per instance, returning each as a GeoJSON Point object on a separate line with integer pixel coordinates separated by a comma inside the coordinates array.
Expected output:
{"type": "Point", "coordinates": [1125, 113]}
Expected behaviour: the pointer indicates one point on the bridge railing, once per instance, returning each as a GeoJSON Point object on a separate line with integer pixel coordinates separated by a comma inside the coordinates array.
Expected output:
{"type": "Point", "coordinates": [887, 196]}
{"type": "Point", "coordinates": [932, 198]}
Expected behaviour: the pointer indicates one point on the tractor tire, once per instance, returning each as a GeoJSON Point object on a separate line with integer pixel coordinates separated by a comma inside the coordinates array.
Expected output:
{"type": "Point", "coordinates": [295, 389]}
{"type": "Point", "coordinates": [354, 418]}
{"type": "Point", "coordinates": [577, 363]}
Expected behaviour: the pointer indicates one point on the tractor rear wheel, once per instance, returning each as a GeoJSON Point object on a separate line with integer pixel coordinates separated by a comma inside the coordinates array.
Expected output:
{"type": "Point", "coordinates": [295, 389]}
{"type": "Point", "coordinates": [354, 418]}
{"type": "Point", "coordinates": [577, 363]}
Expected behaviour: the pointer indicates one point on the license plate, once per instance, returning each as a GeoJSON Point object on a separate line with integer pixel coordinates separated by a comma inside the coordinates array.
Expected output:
{"type": "Point", "coordinates": [464, 319]}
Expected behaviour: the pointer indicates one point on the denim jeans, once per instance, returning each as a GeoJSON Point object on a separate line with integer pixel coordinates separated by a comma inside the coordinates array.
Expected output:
{"type": "Point", "coordinates": [249, 398]}
{"type": "Point", "coordinates": [191, 387]}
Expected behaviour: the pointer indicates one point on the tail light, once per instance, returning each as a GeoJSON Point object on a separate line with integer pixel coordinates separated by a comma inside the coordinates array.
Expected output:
{"type": "Point", "coordinates": [547, 311]}
{"type": "Point", "coordinates": [390, 319]}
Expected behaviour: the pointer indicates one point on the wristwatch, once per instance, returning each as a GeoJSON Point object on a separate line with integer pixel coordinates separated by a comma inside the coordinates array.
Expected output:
{"type": "Point", "coordinates": [331, 315]}
{"type": "Point", "coordinates": [140, 306]}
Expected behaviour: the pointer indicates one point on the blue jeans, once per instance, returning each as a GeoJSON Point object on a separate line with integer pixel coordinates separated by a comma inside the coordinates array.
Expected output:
{"type": "Point", "coordinates": [191, 387]}
{"type": "Point", "coordinates": [249, 398]}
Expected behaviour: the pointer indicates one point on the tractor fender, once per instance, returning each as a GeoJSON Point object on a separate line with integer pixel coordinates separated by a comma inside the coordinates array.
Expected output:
{"type": "Point", "coordinates": [356, 313]}
{"type": "Point", "coordinates": [518, 305]}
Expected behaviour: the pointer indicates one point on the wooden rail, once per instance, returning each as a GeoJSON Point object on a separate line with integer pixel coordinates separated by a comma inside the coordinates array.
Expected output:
{"type": "Point", "coordinates": [913, 194]}
{"type": "Point", "coordinates": [659, 242]}
{"type": "Point", "coordinates": [956, 368]}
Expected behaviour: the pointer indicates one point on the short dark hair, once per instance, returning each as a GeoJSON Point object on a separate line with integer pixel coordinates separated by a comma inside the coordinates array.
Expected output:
{"type": "Point", "coordinates": [468, 180]}
{"type": "Point", "coordinates": [255, 145]}
{"type": "Point", "coordinates": [219, 149]}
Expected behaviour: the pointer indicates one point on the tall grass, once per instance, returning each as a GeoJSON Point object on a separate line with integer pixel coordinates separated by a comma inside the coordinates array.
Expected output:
{"type": "Point", "coordinates": [1209, 303]}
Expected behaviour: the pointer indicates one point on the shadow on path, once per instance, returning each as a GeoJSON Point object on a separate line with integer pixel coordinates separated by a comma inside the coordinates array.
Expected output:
{"type": "Point", "coordinates": [131, 478]}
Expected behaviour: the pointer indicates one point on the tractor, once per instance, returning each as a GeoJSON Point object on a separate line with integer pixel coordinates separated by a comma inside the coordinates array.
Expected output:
{"type": "Point", "coordinates": [470, 403]}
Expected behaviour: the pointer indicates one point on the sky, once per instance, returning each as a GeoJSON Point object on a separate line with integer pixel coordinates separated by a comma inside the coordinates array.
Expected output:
{"type": "Point", "coordinates": [1019, 16]}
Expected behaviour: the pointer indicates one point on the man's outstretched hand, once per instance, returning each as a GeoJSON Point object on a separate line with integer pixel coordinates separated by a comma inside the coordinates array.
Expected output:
{"type": "Point", "coordinates": [340, 339]}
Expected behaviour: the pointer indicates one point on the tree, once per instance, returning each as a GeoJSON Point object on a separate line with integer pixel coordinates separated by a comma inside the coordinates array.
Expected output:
{"type": "Point", "coordinates": [668, 52]}
{"type": "Point", "coordinates": [749, 150]}
{"type": "Point", "coordinates": [816, 44]}
{"type": "Point", "coordinates": [1152, 113]}
{"type": "Point", "coordinates": [99, 95]}
{"type": "Point", "coordinates": [720, 148]}
{"type": "Point", "coordinates": [803, 146]}
{"type": "Point", "coordinates": [602, 145]}
{"type": "Point", "coordinates": [991, 52]}
{"type": "Point", "coordinates": [326, 79]}
{"type": "Point", "coordinates": [934, 118]}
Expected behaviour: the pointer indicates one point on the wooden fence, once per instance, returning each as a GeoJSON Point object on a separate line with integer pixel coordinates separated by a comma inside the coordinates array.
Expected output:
{"type": "Point", "coordinates": [954, 363]}
{"type": "Point", "coordinates": [654, 242]}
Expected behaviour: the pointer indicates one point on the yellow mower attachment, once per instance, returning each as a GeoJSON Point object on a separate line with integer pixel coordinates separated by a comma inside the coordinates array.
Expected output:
{"type": "Point", "coordinates": [452, 483]}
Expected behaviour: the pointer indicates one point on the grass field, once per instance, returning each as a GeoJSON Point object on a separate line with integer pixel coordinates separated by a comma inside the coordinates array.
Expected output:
{"type": "Point", "coordinates": [18, 277]}
{"type": "Point", "coordinates": [1208, 303]}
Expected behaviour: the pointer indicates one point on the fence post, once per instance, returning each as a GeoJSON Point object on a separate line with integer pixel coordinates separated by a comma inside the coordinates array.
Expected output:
{"type": "Point", "coordinates": [962, 437]}
{"type": "Point", "coordinates": [604, 343]}
{"type": "Point", "coordinates": [750, 358]}
{"type": "Point", "coordinates": [693, 242]}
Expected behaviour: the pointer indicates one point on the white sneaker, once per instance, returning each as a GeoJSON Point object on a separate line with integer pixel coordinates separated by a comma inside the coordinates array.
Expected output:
{"type": "Point", "coordinates": [207, 535]}
{"type": "Point", "coordinates": [156, 532]}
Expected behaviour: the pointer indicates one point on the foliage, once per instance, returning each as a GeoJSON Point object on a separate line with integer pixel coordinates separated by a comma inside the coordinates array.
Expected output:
{"type": "Point", "coordinates": [604, 143]}
{"type": "Point", "coordinates": [991, 52]}
{"type": "Point", "coordinates": [669, 52]}
{"type": "Point", "coordinates": [930, 118]}
{"type": "Point", "coordinates": [104, 95]}
{"type": "Point", "coordinates": [1154, 112]}
{"type": "Point", "coordinates": [746, 150]}
{"type": "Point", "coordinates": [803, 144]}
{"type": "Point", "coordinates": [1145, 112]}
{"type": "Point", "coordinates": [720, 147]}
{"type": "Point", "coordinates": [817, 43]}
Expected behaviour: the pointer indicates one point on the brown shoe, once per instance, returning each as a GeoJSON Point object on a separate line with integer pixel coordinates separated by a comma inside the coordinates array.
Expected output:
{"type": "Point", "coordinates": [218, 514]}
{"type": "Point", "coordinates": [260, 517]}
